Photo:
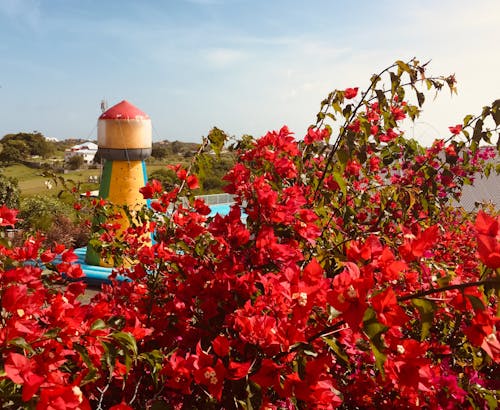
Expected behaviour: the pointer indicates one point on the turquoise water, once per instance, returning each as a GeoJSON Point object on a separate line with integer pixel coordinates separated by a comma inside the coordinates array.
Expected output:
{"type": "Point", "coordinates": [221, 209]}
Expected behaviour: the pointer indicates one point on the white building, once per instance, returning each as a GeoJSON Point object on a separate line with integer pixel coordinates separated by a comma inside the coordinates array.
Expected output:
{"type": "Point", "coordinates": [87, 150]}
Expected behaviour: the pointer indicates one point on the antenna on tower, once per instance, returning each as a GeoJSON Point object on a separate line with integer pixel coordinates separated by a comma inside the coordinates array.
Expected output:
{"type": "Point", "coordinates": [104, 105]}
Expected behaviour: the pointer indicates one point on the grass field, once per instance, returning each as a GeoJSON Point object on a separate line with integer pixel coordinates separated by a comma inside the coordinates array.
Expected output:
{"type": "Point", "coordinates": [31, 181]}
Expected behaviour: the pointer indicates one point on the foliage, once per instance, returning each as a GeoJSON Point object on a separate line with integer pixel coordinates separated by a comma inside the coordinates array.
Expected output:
{"type": "Point", "coordinates": [14, 151]}
{"type": "Point", "coordinates": [165, 176]}
{"type": "Point", "coordinates": [54, 219]}
{"type": "Point", "coordinates": [9, 192]}
{"type": "Point", "coordinates": [349, 281]}
{"type": "Point", "coordinates": [75, 162]}
{"type": "Point", "coordinates": [20, 146]}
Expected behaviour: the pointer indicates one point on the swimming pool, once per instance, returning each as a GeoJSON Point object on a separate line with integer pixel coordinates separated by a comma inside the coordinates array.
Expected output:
{"type": "Point", "coordinates": [221, 209]}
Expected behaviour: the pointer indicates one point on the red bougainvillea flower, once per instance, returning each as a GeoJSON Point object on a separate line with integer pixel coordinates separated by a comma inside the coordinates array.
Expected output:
{"type": "Point", "coordinates": [353, 168]}
{"type": "Point", "coordinates": [192, 182]}
{"type": "Point", "coordinates": [7, 216]}
{"type": "Point", "coordinates": [351, 92]}
{"type": "Point", "coordinates": [389, 136]}
{"type": "Point", "coordinates": [415, 246]}
{"type": "Point", "coordinates": [348, 294]}
{"type": "Point", "coordinates": [19, 369]}
{"type": "Point", "coordinates": [314, 134]}
{"type": "Point", "coordinates": [450, 151]}
{"type": "Point", "coordinates": [488, 239]}
{"type": "Point", "coordinates": [456, 129]}
{"type": "Point", "coordinates": [398, 113]}
{"type": "Point", "coordinates": [152, 187]}
{"type": "Point", "coordinates": [388, 311]}
{"type": "Point", "coordinates": [64, 397]}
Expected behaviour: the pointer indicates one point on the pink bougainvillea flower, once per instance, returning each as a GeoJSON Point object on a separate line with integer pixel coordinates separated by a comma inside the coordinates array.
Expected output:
{"type": "Point", "coordinates": [351, 92]}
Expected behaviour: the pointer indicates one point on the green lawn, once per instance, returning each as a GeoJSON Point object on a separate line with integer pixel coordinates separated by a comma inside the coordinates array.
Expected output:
{"type": "Point", "coordinates": [31, 181]}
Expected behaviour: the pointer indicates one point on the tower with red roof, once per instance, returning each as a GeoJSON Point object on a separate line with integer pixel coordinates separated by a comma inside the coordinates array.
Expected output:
{"type": "Point", "coordinates": [124, 139]}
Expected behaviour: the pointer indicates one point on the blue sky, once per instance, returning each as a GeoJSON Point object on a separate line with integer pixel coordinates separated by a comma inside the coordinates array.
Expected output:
{"type": "Point", "coordinates": [246, 66]}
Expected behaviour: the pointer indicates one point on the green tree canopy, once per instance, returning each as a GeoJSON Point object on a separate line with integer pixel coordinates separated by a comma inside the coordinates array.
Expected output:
{"type": "Point", "coordinates": [75, 162]}
{"type": "Point", "coordinates": [23, 144]}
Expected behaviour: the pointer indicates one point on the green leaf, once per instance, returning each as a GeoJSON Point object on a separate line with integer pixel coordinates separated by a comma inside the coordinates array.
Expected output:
{"type": "Point", "coordinates": [161, 405]}
{"type": "Point", "coordinates": [336, 106]}
{"type": "Point", "coordinates": [371, 326]}
{"type": "Point", "coordinates": [382, 100]}
{"type": "Point", "coordinates": [495, 112]}
{"type": "Point", "coordinates": [467, 119]}
{"type": "Point", "coordinates": [478, 131]}
{"type": "Point", "coordinates": [337, 349]}
{"type": "Point", "coordinates": [395, 80]}
{"type": "Point", "coordinates": [84, 354]}
{"type": "Point", "coordinates": [126, 341]}
{"type": "Point", "coordinates": [426, 309]}
{"type": "Point", "coordinates": [476, 303]}
{"type": "Point", "coordinates": [420, 98]}
{"type": "Point", "coordinates": [341, 181]}
{"type": "Point", "coordinates": [52, 333]}
{"type": "Point", "coordinates": [99, 324]}
{"type": "Point", "coordinates": [343, 156]}
{"type": "Point", "coordinates": [110, 354]}
{"type": "Point", "coordinates": [22, 343]}
{"type": "Point", "coordinates": [217, 139]}
{"type": "Point", "coordinates": [379, 357]}
{"type": "Point", "coordinates": [403, 66]}
{"type": "Point", "coordinates": [374, 330]}
{"type": "Point", "coordinates": [492, 400]}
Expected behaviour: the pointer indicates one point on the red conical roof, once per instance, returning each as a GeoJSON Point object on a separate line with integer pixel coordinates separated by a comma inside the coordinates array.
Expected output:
{"type": "Point", "coordinates": [124, 111]}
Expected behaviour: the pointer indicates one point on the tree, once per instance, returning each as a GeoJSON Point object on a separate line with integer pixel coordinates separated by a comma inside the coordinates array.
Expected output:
{"type": "Point", "coordinates": [75, 162]}
{"type": "Point", "coordinates": [161, 150]}
{"type": "Point", "coordinates": [35, 144]}
{"type": "Point", "coordinates": [14, 151]}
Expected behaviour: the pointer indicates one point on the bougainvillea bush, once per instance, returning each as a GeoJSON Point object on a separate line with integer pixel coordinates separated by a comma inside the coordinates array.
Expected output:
{"type": "Point", "coordinates": [343, 277]}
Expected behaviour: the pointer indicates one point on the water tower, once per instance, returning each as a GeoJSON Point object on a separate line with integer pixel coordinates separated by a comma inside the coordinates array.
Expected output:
{"type": "Point", "coordinates": [124, 139]}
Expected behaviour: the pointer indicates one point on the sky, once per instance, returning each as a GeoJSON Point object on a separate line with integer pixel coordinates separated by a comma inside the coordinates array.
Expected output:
{"type": "Point", "coordinates": [245, 66]}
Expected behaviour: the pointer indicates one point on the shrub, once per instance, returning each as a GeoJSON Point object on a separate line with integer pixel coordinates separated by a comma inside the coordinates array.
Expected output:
{"type": "Point", "coordinates": [352, 283]}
